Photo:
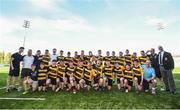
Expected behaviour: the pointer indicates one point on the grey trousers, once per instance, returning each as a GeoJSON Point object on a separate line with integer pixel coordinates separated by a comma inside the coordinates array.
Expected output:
{"type": "Point", "coordinates": [168, 79]}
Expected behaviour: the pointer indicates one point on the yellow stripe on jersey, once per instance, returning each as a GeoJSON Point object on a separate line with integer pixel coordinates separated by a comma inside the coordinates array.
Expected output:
{"type": "Point", "coordinates": [143, 59]}
{"type": "Point", "coordinates": [120, 61]}
{"type": "Point", "coordinates": [128, 59]}
{"type": "Point", "coordinates": [61, 71]}
{"type": "Point", "coordinates": [42, 74]}
{"type": "Point", "coordinates": [79, 72]}
{"type": "Point", "coordinates": [70, 71]}
{"type": "Point", "coordinates": [113, 59]}
{"type": "Point", "coordinates": [129, 74]}
{"type": "Point", "coordinates": [138, 71]}
{"type": "Point", "coordinates": [134, 58]}
{"type": "Point", "coordinates": [75, 61]}
{"type": "Point", "coordinates": [88, 73]}
{"type": "Point", "coordinates": [98, 71]}
{"type": "Point", "coordinates": [107, 58]}
{"type": "Point", "coordinates": [53, 72]}
{"type": "Point", "coordinates": [108, 72]}
{"type": "Point", "coordinates": [118, 72]}
{"type": "Point", "coordinates": [61, 58]}
{"type": "Point", "coordinates": [46, 59]}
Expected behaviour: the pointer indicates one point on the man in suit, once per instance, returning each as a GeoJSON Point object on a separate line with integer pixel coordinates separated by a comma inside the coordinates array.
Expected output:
{"type": "Point", "coordinates": [166, 65]}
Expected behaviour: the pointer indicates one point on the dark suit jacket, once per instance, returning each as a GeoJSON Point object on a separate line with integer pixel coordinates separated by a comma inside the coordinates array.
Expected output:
{"type": "Point", "coordinates": [168, 61]}
{"type": "Point", "coordinates": [154, 60]}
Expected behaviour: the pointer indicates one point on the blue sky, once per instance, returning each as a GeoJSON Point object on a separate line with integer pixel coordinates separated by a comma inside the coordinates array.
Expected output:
{"type": "Point", "coordinates": [90, 24]}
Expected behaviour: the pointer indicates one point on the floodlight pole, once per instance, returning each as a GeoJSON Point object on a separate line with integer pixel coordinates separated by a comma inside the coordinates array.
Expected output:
{"type": "Point", "coordinates": [26, 26]}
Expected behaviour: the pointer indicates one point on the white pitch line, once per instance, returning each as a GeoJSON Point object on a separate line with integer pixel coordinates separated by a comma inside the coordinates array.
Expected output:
{"type": "Point", "coordinates": [177, 80]}
{"type": "Point", "coordinates": [2, 88]}
{"type": "Point", "coordinates": [6, 98]}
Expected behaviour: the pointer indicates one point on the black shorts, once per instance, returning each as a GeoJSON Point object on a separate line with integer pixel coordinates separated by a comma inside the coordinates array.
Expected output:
{"type": "Point", "coordinates": [42, 82]}
{"type": "Point", "coordinates": [146, 84]}
{"type": "Point", "coordinates": [77, 80]}
{"type": "Point", "coordinates": [139, 79]}
{"type": "Point", "coordinates": [130, 82]}
{"type": "Point", "coordinates": [68, 78]}
{"type": "Point", "coordinates": [158, 72]}
{"type": "Point", "coordinates": [61, 79]}
{"type": "Point", "coordinates": [110, 82]}
{"type": "Point", "coordinates": [87, 82]}
{"type": "Point", "coordinates": [15, 72]}
{"type": "Point", "coordinates": [53, 81]}
{"type": "Point", "coordinates": [118, 80]}
{"type": "Point", "coordinates": [25, 72]}
{"type": "Point", "coordinates": [96, 80]}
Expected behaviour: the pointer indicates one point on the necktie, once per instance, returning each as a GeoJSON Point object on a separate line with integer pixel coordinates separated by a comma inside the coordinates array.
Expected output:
{"type": "Point", "coordinates": [160, 58]}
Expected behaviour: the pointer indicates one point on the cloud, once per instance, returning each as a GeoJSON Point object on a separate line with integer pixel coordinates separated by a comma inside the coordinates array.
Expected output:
{"type": "Point", "coordinates": [155, 21]}
{"type": "Point", "coordinates": [163, 22]}
{"type": "Point", "coordinates": [44, 4]}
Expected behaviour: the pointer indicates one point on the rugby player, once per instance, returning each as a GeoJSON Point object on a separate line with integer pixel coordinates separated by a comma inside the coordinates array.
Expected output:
{"type": "Point", "coordinates": [138, 75]}
{"type": "Point", "coordinates": [128, 78]}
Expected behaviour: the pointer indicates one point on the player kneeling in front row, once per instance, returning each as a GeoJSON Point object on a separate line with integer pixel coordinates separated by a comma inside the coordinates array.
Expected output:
{"type": "Point", "coordinates": [78, 75]}
{"type": "Point", "coordinates": [108, 75]}
{"type": "Point", "coordinates": [128, 78]}
{"type": "Point", "coordinates": [119, 73]}
{"type": "Point", "coordinates": [98, 76]}
{"type": "Point", "coordinates": [31, 81]}
{"type": "Point", "coordinates": [52, 75]}
{"type": "Point", "coordinates": [61, 75]}
{"type": "Point", "coordinates": [42, 76]}
{"type": "Point", "coordinates": [87, 77]}
{"type": "Point", "coordinates": [149, 77]}
{"type": "Point", "coordinates": [138, 75]}
{"type": "Point", "coordinates": [70, 77]}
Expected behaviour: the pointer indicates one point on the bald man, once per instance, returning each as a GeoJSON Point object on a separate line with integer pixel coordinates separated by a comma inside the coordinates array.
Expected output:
{"type": "Point", "coordinates": [166, 65]}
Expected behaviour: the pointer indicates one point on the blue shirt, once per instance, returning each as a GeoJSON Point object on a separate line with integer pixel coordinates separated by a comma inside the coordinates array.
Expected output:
{"type": "Point", "coordinates": [149, 72]}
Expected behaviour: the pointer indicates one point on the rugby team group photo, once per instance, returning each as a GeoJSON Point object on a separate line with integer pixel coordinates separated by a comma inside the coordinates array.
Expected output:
{"type": "Point", "coordinates": [56, 71]}
{"type": "Point", "coordinates": [89, 54]}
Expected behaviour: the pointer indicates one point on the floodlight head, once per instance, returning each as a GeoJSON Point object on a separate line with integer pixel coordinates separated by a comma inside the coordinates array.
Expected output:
{"type": "Point", "coordinates": [26, 24]}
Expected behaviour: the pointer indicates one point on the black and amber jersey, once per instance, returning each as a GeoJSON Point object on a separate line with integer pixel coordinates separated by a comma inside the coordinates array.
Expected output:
{"type": "Point", "coordinates": [53, 71]}
{"type": "Point", "coordinates": [82, 57]}
{"type": "Point", "coordinates": [143, 59]}
{"type": "Point", "coordinates": [76, 61]}
{"type": "Point", "coordinates": [42, 74]}
{"type": "Point", "coordinates": [129, 74]}
{"type": "Point", "coordinates": [128, 59]}
{"type": "Point", "coordinates": [61, 71]}
{"type": "Point", "coordinates": [107, 58]}
{"type": "Point", "coordinates": [79, 71]}
{"type": "Point", "coordinates": [98, 70]}
{"type": "Point", "coordinates": [38, 60]}
{"type": "Point", "coordinates": [113, 59]}
{"type": "Point", "coordinates": [108, 72]}
{"type": "Point", "coordinates": [70, 71]}
{"type": "Point", "coordinates": [134, 58]}
{"type": "Point", "coordinates": [88, 57]}
{"type": "Point", "coordinates": [121, 60]}
{"type": "Point", "coordinates": [61, 58]}
{"type": "Point", "coordinates": [46, 59]}
{"type": "Point", "coordinates": [88, 74]}
{"type": "Point", "coordinates": [118, 72]}
{"type": "Point", "coordinates": [67, 60]}
{"type": "Point", "coordinates": [99, 58]}
{"type": "Point", "coordinates": [138, 71]}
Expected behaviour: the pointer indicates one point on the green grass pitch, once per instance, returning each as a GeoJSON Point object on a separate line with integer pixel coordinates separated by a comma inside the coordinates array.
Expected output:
{"type": "Point", "coordinates": [90, 99]}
